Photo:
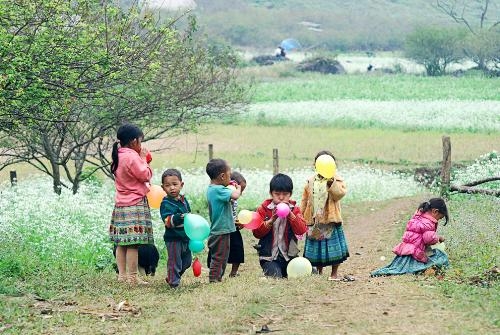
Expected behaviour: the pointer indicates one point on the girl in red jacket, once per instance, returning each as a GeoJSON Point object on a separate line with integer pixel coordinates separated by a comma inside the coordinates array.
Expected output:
{"type": "Point", "coordinates": [277, 235]}
{"type": "Point", "coordinates": [414, 254]}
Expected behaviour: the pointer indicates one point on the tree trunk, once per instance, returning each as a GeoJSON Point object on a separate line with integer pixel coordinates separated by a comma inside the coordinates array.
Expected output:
{"type": "Point", "coordinates": [52, 157]}
{"type": "Point", "coordinates": [56, 177]}
{"type": "Point", "coordinates": [446, 166]}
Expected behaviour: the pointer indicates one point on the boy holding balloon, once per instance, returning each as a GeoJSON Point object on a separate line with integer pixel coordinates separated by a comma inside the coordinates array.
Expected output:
{"type": "Point", "coordinates": [236, 249]}
{"type": "Point", "coordinates": [281, 221]}
{"type": "Point", "coordinates": [172, 210]}
{"type": "Point", "coordinates": [219, 198]}
{"type": "Point", "coordinates": [325, 242]}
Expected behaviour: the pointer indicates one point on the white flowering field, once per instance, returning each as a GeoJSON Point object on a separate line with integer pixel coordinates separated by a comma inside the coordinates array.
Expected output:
{"type": "Point", "coordinates": [74, 227]}
{"type": "Point", "coordinates": [475, 116]}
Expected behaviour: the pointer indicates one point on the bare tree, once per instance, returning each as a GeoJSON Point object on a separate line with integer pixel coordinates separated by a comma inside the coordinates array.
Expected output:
{"type": "Point", "coordinates": [483, 45]}
{"type": "Point", "coordinates": [467, 11]}
{"type": "Point", "coordinates": [72, 72]}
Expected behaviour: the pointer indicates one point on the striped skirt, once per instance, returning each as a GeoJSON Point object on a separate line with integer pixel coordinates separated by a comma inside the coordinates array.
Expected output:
{"type": "Point", "coordinates": [407, 264]}
{"type": "Point", "coordinates": [328, 251]}
{"type": "Point", "coordinates": [131, 224]}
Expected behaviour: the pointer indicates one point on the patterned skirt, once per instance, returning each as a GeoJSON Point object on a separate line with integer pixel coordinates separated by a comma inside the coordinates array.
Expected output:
{"type": "Point", "coordinates": [407, 264]}
{"type": "Point", "coordinates": [327, 251]}
{"type": "Point", "coordinates": [131, 224]}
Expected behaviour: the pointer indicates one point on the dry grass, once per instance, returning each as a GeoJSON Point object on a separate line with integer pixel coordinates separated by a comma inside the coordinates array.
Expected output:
{"type": "Point", "coordinates": [250, 146]}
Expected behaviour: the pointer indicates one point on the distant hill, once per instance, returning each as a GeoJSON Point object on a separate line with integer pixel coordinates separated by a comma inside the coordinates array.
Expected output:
{"type": "Point", "coordinates": [339, 25]}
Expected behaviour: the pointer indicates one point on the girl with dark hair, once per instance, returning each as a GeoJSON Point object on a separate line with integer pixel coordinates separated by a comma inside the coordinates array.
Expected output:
{"type": "Point", "coordinates": [414, 254]}
{"type": "Point", "coordinates": [131, 223]}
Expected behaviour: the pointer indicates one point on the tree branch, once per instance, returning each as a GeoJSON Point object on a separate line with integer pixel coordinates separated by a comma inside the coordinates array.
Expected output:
{"type": "Point", "coordinates": [472, 190]}
{"type": "Point", "coordinates": [482, 181]}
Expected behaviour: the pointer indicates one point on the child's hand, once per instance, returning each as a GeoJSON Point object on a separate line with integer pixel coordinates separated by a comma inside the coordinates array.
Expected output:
{"type": "Point", "coordinates": [269, 222]}
{"type": "Point", "coordinates": [146, 155]}
{"type": "Point", "coordinates": [330, 181]}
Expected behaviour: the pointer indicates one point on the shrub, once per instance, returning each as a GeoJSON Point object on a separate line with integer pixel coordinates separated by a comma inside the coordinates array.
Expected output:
{"type": "Point", "coordinates": [434, 48]}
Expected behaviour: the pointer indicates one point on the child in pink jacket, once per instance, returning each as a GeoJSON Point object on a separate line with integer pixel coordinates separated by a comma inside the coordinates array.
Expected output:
{"type": "Point", "coordinates": [131, 224]}
{"type": "Point", "coordinates": [414, 254]}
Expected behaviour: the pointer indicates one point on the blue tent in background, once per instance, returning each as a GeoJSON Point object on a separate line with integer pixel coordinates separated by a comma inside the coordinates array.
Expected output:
{"type": "Point", "coordinates": [290, 44]}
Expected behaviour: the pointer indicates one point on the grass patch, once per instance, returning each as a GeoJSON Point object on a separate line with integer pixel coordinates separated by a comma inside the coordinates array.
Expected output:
{"type": "Point", "coordinates": [297, 146]}
{"type": "Point", "coordinates": [399, 87]}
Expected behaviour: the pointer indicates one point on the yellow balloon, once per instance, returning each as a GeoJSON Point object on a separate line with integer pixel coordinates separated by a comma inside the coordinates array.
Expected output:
{"type": "Point", "coordinates": [245, 216]}
{"type": "Point", "coordinates": [155, 196]}
{"type": "Point", "coordinates": [325, 166]}
{"type": "Point", "coordinates": [299, 267]}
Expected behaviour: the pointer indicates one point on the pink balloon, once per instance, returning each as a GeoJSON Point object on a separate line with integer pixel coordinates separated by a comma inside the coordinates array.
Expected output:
{"type": "Point", "coordinates": [282, 209]}
{"type": "Point", "coordinates": [254, 223]}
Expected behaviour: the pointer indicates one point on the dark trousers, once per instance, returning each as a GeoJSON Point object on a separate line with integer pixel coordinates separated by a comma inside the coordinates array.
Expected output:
{"type": "Point", "coordinates": [275, 268]}
{"type": "Point", "coordinates": [179, 260]}
{"type": "Point", "coordinates": [218, 246]}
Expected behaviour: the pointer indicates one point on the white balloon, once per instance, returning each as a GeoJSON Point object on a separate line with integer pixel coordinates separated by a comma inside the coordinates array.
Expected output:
{"type": "Point", "coordinates": [299, 267]}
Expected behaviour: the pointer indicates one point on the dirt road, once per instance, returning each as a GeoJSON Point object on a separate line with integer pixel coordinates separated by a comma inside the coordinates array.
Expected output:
{"type": "Point", "coordinates": [389, 305]}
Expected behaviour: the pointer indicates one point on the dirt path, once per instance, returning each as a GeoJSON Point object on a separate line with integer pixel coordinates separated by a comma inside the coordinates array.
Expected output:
{"type": "Point", "coordinates": [389, 305]}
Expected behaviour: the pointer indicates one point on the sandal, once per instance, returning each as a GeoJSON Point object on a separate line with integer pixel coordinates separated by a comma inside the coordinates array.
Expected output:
{"type": "Point", "coordinates": [334, 279]}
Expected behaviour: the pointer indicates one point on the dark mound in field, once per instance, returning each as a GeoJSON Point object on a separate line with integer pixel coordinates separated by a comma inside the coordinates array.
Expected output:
{"type": "Point", "coordinates": [322, 65]}
{"type": "Point", "coordinates": [267, 59]}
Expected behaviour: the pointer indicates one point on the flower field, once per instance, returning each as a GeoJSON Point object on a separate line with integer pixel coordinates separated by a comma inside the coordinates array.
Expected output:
{"type": "Point", "coordinates": [56, 247]}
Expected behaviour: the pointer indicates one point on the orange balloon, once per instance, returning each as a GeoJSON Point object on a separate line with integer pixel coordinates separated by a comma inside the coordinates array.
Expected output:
{"type": "Point", "coordinates": [155, 196]}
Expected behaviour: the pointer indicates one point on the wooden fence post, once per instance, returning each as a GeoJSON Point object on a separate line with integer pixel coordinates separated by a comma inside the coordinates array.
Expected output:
{"type": "Point", "coordinates": [276, 166]}
{"type": "Point", "coordinates": [210, 151]}
{"type": "Point", "coordinates": [13, 178]}
{"type": "Point", "coordinates": [446, 166]}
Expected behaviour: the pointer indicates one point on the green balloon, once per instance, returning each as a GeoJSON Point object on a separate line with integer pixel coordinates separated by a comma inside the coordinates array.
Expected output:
{"type": "Point", "coordinates": [196, 227]}
{"type": "Point", "coordinates": [196, 246]}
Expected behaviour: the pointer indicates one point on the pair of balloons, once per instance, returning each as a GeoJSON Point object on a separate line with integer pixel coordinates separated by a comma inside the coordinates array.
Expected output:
{"type": "Point", "coordinates": [299, 267]}
{"type": "Point", "coordinates": [197, 229]}
{"type": "Point", "coordinates": [250, 220]}
{"type": "Point", "coordinates": [325, 166]}
{"type": "Point", "coordinates": [155, 196]}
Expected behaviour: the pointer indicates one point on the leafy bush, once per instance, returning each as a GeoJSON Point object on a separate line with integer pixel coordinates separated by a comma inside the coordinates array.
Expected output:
{"type": "Point", "coordinates": [434, 48]}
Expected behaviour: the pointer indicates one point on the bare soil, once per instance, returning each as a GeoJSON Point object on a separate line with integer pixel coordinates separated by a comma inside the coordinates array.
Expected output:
{"type": "Point", "coordinates": [384, 305]}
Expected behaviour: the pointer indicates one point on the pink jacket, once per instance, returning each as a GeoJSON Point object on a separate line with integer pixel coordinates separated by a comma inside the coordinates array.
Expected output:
{"type": "Point", "coordinates": [420, 232]}
{"type": "Point", "coordinates": [131, 177]}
